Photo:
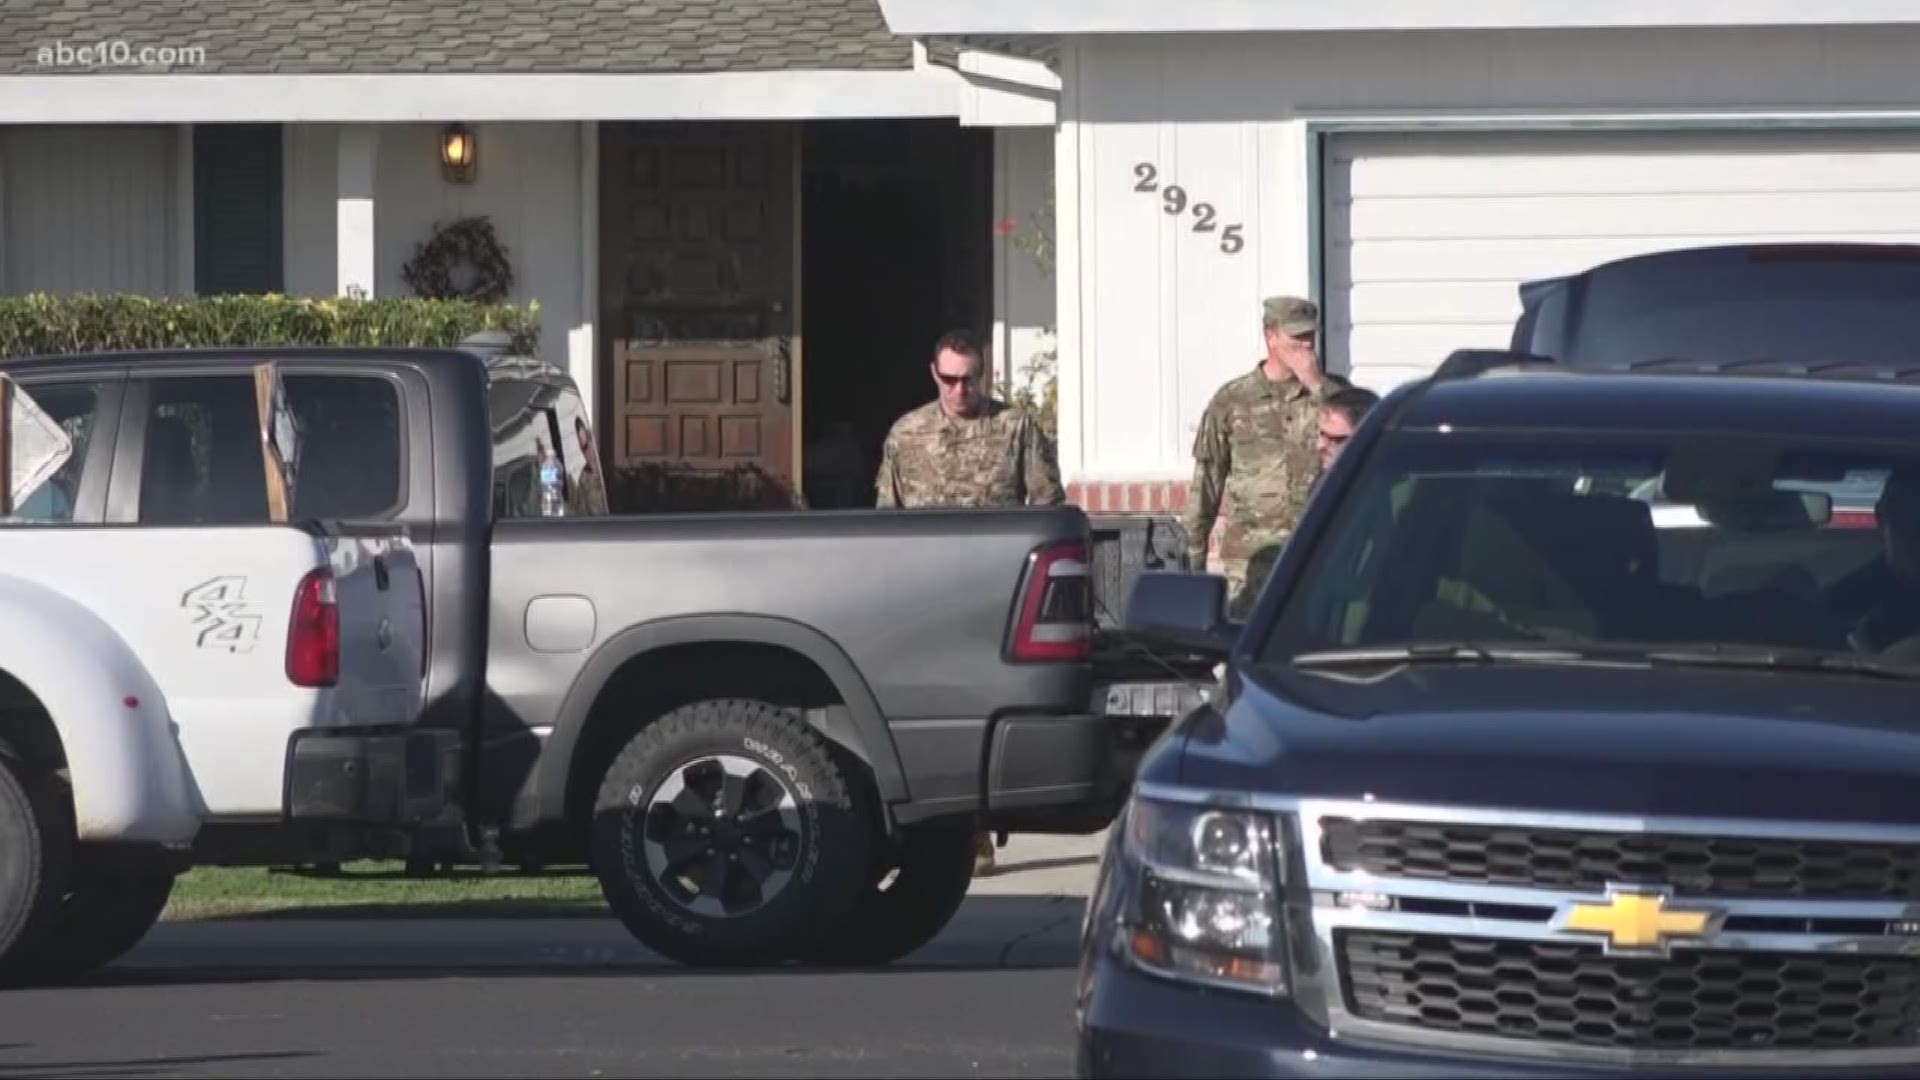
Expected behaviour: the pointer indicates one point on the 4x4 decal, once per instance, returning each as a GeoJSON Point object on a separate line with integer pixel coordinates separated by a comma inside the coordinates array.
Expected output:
{"type": "Point", "coordinates": [222, 614]}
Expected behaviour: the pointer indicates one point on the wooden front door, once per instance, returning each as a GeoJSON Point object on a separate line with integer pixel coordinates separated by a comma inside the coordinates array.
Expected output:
{"type": "Point", "coordinates": [699, 290]}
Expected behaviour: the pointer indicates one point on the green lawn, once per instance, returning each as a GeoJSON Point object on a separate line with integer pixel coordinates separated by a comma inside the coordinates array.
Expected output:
{"type": "Point", "coordinates": [382, 890]}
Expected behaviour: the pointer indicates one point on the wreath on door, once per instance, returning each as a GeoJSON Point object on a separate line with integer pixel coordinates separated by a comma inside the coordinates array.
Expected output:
{"type": "Point", "coordinates": [462, 260]}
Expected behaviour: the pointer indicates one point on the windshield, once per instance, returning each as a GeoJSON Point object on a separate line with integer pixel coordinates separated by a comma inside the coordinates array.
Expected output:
{"type": "Point", "coordinates": [1578, 540]}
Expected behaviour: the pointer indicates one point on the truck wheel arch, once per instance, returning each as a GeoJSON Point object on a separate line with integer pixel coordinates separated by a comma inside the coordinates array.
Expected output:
{"type": "Point", "coordinates": [862, 730]}
{"type": "Point", "coordinates": [108, 718]}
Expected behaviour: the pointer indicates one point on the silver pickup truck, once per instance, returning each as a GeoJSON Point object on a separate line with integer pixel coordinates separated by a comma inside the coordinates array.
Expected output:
{"type": "Point", "coordinates": [772, 736]}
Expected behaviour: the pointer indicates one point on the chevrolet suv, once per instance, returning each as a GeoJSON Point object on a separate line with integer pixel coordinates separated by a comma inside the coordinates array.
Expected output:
{"type": "Point", "coordinates": [1511, 771]}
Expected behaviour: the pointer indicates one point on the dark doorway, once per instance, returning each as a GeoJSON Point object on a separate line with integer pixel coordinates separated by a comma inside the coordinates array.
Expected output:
{"type": "Point", "coordinates": [895, 246]}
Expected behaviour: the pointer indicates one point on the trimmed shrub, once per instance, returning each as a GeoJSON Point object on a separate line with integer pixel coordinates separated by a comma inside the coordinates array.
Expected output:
{"type": "Point", "coordinates": [664, 489]}
{"type": "Point", "coordinates": [40, 323]}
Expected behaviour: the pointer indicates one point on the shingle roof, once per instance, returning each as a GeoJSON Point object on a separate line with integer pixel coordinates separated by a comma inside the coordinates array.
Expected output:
{"type": "Point", "coordinates": [461, 36]}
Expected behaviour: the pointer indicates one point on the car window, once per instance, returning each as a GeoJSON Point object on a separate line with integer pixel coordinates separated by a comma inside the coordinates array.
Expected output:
{"type": "Point", "coordinates": [203, 463]}
{"type": "Point", "coordinates": [532, 419]}
{"type": "Point", "coordinates": [1613, 542]}
{"type": "Point", "coordinates": [72, 405]}
{"type": "Point", "coordinates": [350, 446]}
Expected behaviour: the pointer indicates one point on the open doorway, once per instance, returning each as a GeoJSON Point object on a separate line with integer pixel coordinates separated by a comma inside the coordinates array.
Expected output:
{"type": "Point", "coordinates": [895, 250]}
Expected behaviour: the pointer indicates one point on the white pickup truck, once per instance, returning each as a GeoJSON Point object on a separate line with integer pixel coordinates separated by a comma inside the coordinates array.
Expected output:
{"type": "Point", "coordinates": [169, 630]}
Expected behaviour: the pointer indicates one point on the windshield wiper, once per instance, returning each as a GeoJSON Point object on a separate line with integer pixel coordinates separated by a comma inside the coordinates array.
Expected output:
{"type": "Point", "coordinates": [1457, 652]}
{"type": "Point", "coordinates": [1452, 652]}
{"type": "Point", "coordinates": [1784, 660]}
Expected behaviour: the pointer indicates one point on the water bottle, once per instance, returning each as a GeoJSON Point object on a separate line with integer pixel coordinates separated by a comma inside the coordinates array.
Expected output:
{"type": "Point", "coordinates": [553, 499]}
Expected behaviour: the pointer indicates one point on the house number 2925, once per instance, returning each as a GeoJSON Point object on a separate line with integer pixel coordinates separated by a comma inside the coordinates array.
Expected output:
{"type": "Point", "coordinates": [1173, 200]}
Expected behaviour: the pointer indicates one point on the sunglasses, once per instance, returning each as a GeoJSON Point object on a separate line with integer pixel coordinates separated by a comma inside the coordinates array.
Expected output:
{"type": "Point", "coordinates": [954, 380]}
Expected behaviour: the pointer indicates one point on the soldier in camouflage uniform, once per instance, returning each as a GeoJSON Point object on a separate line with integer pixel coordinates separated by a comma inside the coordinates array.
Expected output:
{"type": "Point", "coordinates": [966, 449]}
{"type": "Point", "coordinates": [1257, 451]}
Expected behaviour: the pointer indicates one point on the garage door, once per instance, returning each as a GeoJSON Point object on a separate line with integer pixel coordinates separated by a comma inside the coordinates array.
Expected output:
{"type": "Point", "coordinates": [1429, 236]}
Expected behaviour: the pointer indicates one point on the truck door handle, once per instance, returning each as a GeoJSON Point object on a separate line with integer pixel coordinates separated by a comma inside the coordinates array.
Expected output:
{"type": "Point", "coordinates": [380, 576]}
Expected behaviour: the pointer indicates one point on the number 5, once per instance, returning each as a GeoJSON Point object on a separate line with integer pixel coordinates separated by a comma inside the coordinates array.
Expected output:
{"type": "Point", "coordinates": [1230, 240]}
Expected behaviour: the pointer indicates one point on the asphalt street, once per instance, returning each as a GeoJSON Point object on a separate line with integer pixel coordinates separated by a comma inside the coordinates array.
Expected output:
{"type": "Point", "coordinates": [567, 997]}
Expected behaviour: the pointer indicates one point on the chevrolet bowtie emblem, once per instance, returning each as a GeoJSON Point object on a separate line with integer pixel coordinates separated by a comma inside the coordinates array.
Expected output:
{"type": "Point", "coordinates": [1635, 920]}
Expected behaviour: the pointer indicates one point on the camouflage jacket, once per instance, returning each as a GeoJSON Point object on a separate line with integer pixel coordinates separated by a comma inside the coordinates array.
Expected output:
{"type": "Point", "coordinates": [1255, 452]}
{"type": "Point", "coordinates": [999, 458]}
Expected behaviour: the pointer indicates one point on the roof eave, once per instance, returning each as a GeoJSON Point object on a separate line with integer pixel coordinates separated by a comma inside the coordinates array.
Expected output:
{"type": "Point", "coordinates": [944, 17]}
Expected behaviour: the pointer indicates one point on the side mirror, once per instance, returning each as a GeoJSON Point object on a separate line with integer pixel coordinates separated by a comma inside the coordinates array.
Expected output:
{"type": "Point", "coordinates": [1182, 610]}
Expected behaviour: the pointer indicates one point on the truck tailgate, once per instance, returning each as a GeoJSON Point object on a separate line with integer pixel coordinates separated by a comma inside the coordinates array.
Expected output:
{"type": "Point", "coordinates": [383, 626]}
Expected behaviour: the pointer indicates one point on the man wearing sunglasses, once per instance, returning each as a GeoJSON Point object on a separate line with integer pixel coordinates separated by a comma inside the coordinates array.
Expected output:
{"type": "Point", "coordinates": [965, 448]}
{"type": "Point", "coordinates": [1343, 411]}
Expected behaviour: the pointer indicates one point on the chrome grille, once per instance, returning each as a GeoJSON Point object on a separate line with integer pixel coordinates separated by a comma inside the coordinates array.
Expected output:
{"type": "Point", "coordinates": [1567, 993]}
{"type": "Point", "coordinates": [1558, 858]}
{"type": "Point", "coordinates": [1450, 928]}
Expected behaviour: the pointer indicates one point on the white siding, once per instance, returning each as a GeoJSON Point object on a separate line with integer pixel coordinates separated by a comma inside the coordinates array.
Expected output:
{"type": "Point", "coordinates": [1429, 237]}
{"type": "Point", "coordinates": [528, 182]}
{"type": "Point", "coordinates": [1024, 304]}
{"type": "Point", "coordinates": [91, 209]}
{"type": "Point", "coordinates": [1155, 316]}
{"type": "Point", "coordinates": [308, 222]}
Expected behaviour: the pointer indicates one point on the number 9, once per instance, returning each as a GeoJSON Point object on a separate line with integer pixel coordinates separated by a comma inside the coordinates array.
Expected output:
{"type": "Point", "coordinates": [1175, 197]}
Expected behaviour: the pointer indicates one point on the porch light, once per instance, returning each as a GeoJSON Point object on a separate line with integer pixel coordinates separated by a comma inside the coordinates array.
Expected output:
{"type": "Point", "coordinates": [457, 153]}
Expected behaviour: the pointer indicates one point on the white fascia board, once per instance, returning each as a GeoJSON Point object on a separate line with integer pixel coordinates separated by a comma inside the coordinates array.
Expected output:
{"type": "Point", "coordinates": [1018, 70]}
{"type": "Point", "coordinates": [929, 17]}
{"type": "Point", "coordinates": [746, 95]}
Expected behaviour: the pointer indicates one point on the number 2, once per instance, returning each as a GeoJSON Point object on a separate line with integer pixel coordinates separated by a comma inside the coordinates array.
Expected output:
{"type": "Point", "coordinates": [1146, 172]}
{"type": "Point", "coordinates": [1203, 211]}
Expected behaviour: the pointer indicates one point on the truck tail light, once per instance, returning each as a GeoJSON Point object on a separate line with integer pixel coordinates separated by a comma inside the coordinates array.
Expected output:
{"type": "Point", "coordinates": [313, 638]}
{"type": "Point", "coordinates": [1855, 519]}
{"type": "Point", "coordinates": [1055, 619]}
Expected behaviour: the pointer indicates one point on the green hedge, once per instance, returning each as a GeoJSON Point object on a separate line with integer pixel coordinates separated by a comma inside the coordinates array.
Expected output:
{"type": "Point", "coordinates": [40, 323]}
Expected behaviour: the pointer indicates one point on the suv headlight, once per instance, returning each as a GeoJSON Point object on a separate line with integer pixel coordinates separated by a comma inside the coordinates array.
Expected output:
{"type": "Point", "coordinates": [1205, 906]}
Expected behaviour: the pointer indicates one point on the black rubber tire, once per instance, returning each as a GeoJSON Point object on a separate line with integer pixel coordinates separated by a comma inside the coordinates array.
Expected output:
{"type": "Point", "coordinates": [102, 917]}
{"type": "Point", "coordinates": [35, 853]}
{"type": "Point", "coordinates": [834, 840]}
{"type": "Point", "coordinates": [935, 869]}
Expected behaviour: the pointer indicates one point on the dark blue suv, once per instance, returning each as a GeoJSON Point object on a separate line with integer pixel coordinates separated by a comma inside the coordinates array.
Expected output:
{"type": "Point", "coordinates": [1575, 734]}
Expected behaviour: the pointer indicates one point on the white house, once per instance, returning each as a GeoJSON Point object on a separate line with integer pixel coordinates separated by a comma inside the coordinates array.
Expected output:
{"type": "Point", "coordinates": [745, 221]}
{"type": "Point", "coordinates": [1408, 163]}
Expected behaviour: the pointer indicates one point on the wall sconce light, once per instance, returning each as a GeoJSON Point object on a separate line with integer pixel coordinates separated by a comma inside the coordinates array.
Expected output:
{"type": "Point", "coordinates": [458, 152]}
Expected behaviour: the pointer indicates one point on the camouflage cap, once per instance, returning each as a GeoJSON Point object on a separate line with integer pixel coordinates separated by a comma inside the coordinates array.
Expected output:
{"type": "Point", "coordinates": [1290, 314]}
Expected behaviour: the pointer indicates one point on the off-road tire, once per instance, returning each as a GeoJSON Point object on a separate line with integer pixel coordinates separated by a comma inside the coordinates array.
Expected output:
{"type": "Point", "coordinates": [935, 864]}
{"type": "Point", "coordinates": [830, 850]}
{"type": "Point", "coordinates": [105, 913]}
{"type": "Point", "coordinates": [35, 853]}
